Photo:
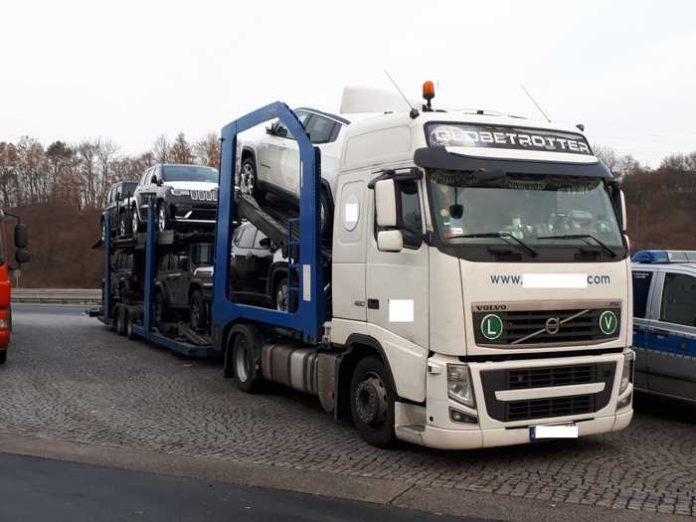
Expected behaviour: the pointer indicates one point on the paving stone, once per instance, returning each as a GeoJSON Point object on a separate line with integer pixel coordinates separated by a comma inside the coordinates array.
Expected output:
{"type": "Point", "coordinates": [69, 378]}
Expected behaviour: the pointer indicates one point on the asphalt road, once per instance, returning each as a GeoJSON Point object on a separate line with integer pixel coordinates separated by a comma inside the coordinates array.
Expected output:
{"type": "Point", "coordinates": [70, 379]}
{"type": "Point", "coordinates": [34, 489]}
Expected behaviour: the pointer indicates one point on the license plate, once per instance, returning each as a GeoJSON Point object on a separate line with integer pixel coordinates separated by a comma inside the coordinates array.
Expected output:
{"type": "Point", "coordinates": [553, 432]}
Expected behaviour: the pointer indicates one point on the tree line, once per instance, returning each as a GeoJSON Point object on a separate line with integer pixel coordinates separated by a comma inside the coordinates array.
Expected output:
{"type": "Point", "coordinates": [59, 191]}
{"type": "Point", "coordinates": [80, 174]}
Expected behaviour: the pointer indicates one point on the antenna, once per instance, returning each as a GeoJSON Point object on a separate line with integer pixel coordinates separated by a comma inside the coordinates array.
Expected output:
{"type": "Point", "coordinates": [535, 103]}
{"type": "Point", "coordinates": [414, 112]}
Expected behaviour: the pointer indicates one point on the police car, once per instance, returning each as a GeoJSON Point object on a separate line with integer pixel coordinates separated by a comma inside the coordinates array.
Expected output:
{"type": "Point", "coordinates": [664, 326]}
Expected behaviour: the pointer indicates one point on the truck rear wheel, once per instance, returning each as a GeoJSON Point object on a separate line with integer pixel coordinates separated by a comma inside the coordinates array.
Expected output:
{"type": "Point", "coordinates": [372, 402]}
{"type": "Point", "coordinates": [198, 318]}
{"type": "Point", "coordinates": [244, 361]}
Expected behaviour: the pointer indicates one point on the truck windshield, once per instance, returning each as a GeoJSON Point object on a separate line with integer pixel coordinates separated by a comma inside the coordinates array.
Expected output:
{"type": "Point", "coordinates": [474, 211]}
{"type": "Point", "coordinates": [189, 173]}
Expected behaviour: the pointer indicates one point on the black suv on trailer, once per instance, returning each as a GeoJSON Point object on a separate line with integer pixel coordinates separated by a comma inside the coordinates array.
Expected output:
{"type": "Point", "coordinates": [183, 194]}
{"type": "Point", "coordinates": [118, 203]}
{"type": "Point", "coordinates": [184, 284]}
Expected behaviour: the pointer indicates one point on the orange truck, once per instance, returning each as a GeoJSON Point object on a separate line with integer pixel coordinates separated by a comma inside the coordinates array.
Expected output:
{"type": "Point", "coordinates": [21, 255]}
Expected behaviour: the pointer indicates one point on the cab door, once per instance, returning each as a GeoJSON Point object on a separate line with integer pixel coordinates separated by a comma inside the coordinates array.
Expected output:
{"type": "Point", "coordinates": [671, 336]}
{"type": "Point", "coordinates": [397, 282]}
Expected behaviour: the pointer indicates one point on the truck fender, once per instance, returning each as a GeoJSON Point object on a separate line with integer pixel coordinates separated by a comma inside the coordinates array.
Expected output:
{"type": "Point", "coordinates": [358, 346]}
{"type": "Point", "coordinates": [241, 329]}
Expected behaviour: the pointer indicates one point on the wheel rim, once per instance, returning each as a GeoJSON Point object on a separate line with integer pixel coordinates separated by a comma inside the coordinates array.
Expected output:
{"type": "Point", "coordinates": [123, 222]}
{"type": "Point", "coordinates": [246, 179]}
{"type": "Point", "coordinates": [162, 218]}
{"type": "Point", "coordinates": [283, 298]}
{"type": "Point", "coordinates": [371, 400]}
{"type": "Point", "coordinates": [195, 314]}
{"type": "Point", "coordinates": [242, 366]}
{"type": "Point", "coordinates": [134, 223]}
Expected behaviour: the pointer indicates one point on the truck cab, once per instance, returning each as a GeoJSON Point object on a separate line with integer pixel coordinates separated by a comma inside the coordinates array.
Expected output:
{"type": "Point", "coordinates": [485, 258]}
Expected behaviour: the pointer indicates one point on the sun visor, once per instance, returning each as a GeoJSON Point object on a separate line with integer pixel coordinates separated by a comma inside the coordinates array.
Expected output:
{"type": "Point", "coordinates": [440, 158]}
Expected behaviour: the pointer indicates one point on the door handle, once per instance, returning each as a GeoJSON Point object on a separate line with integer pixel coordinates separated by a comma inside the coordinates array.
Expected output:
{"type": "Point", "coordinates": [660, 334]}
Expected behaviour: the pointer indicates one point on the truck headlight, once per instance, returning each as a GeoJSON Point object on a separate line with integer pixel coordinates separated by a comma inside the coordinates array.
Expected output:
{"type": "Point", "coordinates": [179, 192]}
{"type": "Point", "coordinates": [627, 371]}
{"type": "Point", "coordinates": [459, 385]}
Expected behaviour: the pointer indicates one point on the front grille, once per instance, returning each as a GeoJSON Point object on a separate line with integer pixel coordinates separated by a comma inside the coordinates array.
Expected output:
{"type": "Point", "coordinates": [554, 407]}
{"type": "Point", "coordinates": [552, 376]}
{"type": "Point", "coordinates": [542, 377]}
{"type": "Point", "coordinates": [531, 327]}
{"type": "Point", "coordinates": [204, 195]}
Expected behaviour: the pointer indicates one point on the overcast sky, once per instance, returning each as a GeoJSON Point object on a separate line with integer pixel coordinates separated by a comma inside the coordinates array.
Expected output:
{"type": "Point", "coordinates": [131, 70]}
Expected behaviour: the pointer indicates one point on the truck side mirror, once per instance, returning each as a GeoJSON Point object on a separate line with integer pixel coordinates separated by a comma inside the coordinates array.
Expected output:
{"type": "Point", "coordinates": [385, 203]}
{"type": "Point", "coordinates": [21, 236]}
{"type": "Point", "coordinates": [22, 256]}
{"type": "Point", "coordinates": [624, 219]}
{"type": "Point", "coordinates": [390, 241]}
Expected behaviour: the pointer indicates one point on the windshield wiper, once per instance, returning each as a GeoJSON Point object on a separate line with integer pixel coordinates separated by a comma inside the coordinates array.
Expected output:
{"type": "Point", "coordinates": [501, 235]}
{"type": "Point", "coordinates": [601, 244]}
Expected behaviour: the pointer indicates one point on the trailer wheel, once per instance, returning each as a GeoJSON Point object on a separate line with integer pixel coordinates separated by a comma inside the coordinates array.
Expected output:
{"type": "Point", "coordinates": [244, 361]}
{"type": "Point", "coordinates": [129, 326]}
{"type": "Point", "coordinates": [372, 402]}
{"type": "Point", "coordinates": [120, 319]}
{"type": "Point", "coordinates": [3, 356]}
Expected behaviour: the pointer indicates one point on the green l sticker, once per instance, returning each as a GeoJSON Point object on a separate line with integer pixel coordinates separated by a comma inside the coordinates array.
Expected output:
{"type": "Point", "coordinates": [608, 322]}
{"type": "Point", "coordinates": [491, 327]}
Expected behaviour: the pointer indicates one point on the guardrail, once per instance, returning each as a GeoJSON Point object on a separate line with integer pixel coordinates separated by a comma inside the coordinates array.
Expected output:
{"type": "Point", "coordinates": [85, 296]}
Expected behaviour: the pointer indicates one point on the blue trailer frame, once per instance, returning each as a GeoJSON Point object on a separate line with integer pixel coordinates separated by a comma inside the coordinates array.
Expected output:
{"type": "Point", "coordinates": [310, 314]}
{"type": "Point", "coordinates": [145, 330]}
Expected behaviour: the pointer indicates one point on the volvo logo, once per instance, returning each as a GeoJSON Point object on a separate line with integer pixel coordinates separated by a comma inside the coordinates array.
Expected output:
{"type": "Point", "coordinates": [553, 324]}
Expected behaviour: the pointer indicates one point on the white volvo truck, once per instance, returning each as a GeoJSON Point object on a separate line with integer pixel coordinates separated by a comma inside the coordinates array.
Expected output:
{"type": "Point", "coordinates": [479, 287]}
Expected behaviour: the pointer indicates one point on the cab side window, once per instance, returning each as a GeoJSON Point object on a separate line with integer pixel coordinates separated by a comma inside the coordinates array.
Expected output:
{"type": "Point", "coordinates": [679, 300]}
{"type": "Point", "coordinates": [641, 289]}
{"type": "Point", "coordinates": [320, 129]}
{"type": "Point", "coordinates": [409, 213]}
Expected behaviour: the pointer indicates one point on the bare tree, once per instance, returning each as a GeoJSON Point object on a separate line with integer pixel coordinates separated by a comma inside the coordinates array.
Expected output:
{"type": "Point", "coordinates": [180, 151]}
{"type": "Point", "coordinates": [161, 149]}
{"type": "Point", "coordinates": [208, 151]}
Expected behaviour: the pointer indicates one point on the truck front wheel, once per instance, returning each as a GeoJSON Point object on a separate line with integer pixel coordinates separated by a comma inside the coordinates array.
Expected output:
{"type": "Point", "coordinates": [372, 402]}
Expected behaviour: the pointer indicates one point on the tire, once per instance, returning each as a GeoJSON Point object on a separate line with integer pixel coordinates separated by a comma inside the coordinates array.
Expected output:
{"type": "Point", "coordinates": [3, 356]}
{"type": "Point", "coordinates": [244, 364]}
{"type": "Point", "coordinates": [372, 402]}
{"type": "Point", "coordinates": [249, 180]}
{"type": "Point", "coordinates": [129, 327]}
{"type": "Point", "coordinates": [124, 224]}
{"type": "Point", "coordinates": [281, 296]}
{"type": "Point", "coordinates": [160, 308]}
{"type": "Point", "coordinates": [162, 217]}
{"type": "Point", "coordinates": [326, 214]}
{"type": "Point", "coordinates": [198, 316]}
{"type": "Point", "coordinates": [135, 222]}
{"type": "Point", "coordinates": [120, 318]}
